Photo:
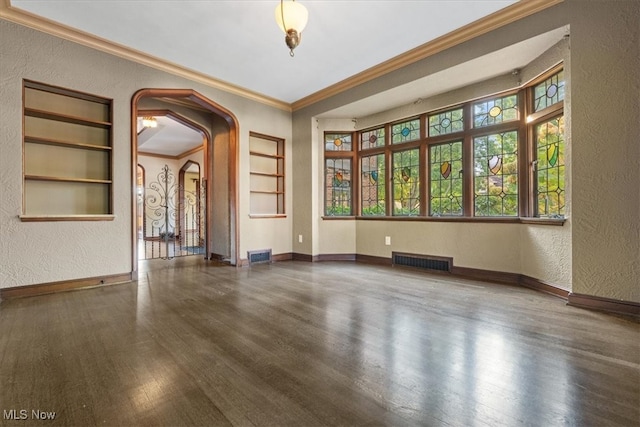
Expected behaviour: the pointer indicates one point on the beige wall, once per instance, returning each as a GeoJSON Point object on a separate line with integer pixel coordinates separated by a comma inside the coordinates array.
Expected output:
{"type": "Point", "coordinates": [33, 253]}
{"type": "Point", "coordinates": [597, 251]}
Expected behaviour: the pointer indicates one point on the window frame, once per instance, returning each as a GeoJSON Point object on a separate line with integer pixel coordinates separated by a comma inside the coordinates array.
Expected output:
{"type": "Point", "coordinates": [524, 127]}
{"type": "Point", "coordinates": [355, 170]}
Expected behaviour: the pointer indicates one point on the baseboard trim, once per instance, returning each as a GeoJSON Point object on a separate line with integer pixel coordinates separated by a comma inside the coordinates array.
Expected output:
{"type": "Point", "coordinates": [375, 260]}
{"type": "Point", "coordinates": [65, 285]}
{"type": "Point", "coordinates": [604, 304]}
{"type": "Point", "coordinates": [301, 257]}
{"type": "Point", "coordinates": [282, 257]}
{"type": "Point", "coordinates": [542, 286]}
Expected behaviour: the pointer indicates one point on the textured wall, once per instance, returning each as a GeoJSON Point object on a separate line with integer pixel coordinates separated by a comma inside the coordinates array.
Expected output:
{"type": "Point", "coordinates": [33, 253]}
{"type": "Point", "coordinates": [605, 80]}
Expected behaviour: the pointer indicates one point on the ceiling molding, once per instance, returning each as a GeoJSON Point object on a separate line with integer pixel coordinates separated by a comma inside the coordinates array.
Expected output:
{"type": "Point", "coordinates": [498, 19]}
{"type": "Point", "coordinates": [512, 13]}
{"type": "Point", "coordinates": [30, 20]}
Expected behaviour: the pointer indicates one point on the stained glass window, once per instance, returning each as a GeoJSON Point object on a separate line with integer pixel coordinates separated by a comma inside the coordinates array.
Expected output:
{"type": "Point", "coordinates": [337, 142]}
{"type": "Point", "coordinates": [337, 187]}
{"type": "Point", "coordinates": [405, 131]}
{"type": "Point", "coordinates": [549, 92]}
{"type": "Point", "coordinates": [496, 174]}
{"type": "Point", "coordinates": [372, 185]}
{"type": "Point", "coordinates": [406, 182]}
{"type": "Point", "coordinates": [446, 122]}
{"type": "Point", "coordinates": [372, 138]}
{"type": "Point", "coordinates": [550, 185]}
{"type": "Point", "coordinates": [495, 111]}
{"type": "Point", "coordinates": [445, 172]}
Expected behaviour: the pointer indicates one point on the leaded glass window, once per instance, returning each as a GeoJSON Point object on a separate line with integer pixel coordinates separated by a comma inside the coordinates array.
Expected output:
{"type": "Point", "coordinates": [446, 122]}
{"type": "Point", "coordinates": [338, 186]}
{"type": "Point", "coordinates": [549, 92]}
{"type": "Point", "coordinates": [372, 185]}
{"type": "Point", "coordinates": [445, 172]}
{"type": "Point", "coordinates": [406, 182]}
{"type": "Point", "coordinates": [495, 111]}
{"type": "Point", "coordinates": [372, 138]}
{"type": "Point", "coordinates": [405, 131]}
{"type": "Point", "coordinates": [550, 185]}
{"type": "Point", "coordinates": [496, 174]}
{"type": "Point", "coordinates": [337, 142]}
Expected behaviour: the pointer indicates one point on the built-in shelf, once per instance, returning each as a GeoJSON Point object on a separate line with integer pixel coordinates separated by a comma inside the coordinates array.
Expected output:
{"type": "Point", "coordinates": [266, 166]}
{"type": "Point", "coordinates": [68, 157]}
{"type": "Point", "coordinates": [50, 141]}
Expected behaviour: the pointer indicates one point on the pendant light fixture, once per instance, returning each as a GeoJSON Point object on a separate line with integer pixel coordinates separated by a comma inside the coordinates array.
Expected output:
{"type": "Point", "coordinates": [291, 17]}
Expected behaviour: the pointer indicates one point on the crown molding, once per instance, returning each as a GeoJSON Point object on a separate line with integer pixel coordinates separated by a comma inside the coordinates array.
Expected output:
{"type": "Point", "coordinates": [56, 29]}
{"type": "Point", "coordinates": [512, 13]}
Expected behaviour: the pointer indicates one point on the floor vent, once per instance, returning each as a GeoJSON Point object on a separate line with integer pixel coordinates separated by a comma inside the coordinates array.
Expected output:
{"type": "Point", "coordinates": [424, 262]}
{"type": "Point", "coordinates": [259, 257]}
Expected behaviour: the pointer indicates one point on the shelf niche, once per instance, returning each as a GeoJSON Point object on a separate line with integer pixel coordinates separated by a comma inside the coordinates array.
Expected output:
{"type": "Point", "coordinates": [67, 165]}
{"type": "Point", "coordinates": [266, 171]}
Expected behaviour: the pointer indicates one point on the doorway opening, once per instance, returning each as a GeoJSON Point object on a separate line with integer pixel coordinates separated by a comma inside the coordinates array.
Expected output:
{"type": "Point", "coordinates": [186, 195]}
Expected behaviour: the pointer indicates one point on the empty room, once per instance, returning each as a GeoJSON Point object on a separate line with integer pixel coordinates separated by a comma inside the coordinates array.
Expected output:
{"type": "Point", "coordinates": [318, 213]}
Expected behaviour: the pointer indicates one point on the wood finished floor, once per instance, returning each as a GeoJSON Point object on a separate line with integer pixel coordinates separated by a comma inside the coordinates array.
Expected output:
{"type": "Point", "coordinates": [302, 344]}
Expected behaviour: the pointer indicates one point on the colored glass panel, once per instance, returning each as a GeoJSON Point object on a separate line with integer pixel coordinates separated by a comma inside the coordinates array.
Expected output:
{"type": "Point", "coordinates": [447, 122]}
{"type": "Point", "coordinates": [496, 174]}
{"type": "Point", "coordinates": [372, 138]}
{"type": "Point", "coordinates": [372, 185]}
{"type": "Point", "coordinates": [445, 173]}
{"type": "Point", "coordinates": [405, 131]}
{"type": "Point", "coordinates": [406, 182]}
{"type": "Point", "coordinates": [495, 111]}
{"type": "Point", "coordinates": [337, 187]}
{"type": "Point", "coordinates": [550, 167]}
{"type": "Point", "coordinates": [337, 142]}
{"type": "Point", "coordinates": [549, 92]}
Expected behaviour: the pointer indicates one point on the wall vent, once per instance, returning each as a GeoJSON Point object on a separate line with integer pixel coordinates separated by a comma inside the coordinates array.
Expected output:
{"type": "Point", "coordinates": [259, 257]}
{"type": "Point", "coordinates": [424, 262]}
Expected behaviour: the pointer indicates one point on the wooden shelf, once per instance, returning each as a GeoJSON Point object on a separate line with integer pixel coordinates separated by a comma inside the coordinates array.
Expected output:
{"type": "Point", "coordinates": [49, 115]}
{"type": "Point", "coordinates": [270, 156]}
{"type": "Point", "coordinates": [60, 143]}
{"type": "Point", "coordinates": [266, 192]}
{"type": "Point", "coordinates": [64, 179]}
{"type": "Point", "coordinates": [273, 175]}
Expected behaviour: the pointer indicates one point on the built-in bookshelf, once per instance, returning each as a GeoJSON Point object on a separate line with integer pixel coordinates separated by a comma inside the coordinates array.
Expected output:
{"type": "Point", "coordinates": [67, 161]}
{"type": "Point", "coordinates": [266, 169]}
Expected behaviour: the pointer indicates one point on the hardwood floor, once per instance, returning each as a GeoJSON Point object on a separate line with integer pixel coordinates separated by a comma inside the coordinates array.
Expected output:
{"type": "Point", "coordinates": [302, 344]}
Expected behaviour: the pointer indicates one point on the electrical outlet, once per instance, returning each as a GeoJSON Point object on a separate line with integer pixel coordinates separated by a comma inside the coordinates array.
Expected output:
{"type": "Point", "coordinates": [387, 240]}
{"type": "Point", "coordinates": [299, 238]}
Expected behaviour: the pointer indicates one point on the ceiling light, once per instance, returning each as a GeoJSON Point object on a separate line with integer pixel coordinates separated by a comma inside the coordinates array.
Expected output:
{"type": "Point", "coordinates": [149, 122]}
{"type": "Point", "coordinates": [291, 17]}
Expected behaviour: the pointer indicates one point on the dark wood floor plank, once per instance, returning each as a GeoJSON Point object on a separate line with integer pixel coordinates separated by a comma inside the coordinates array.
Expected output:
{"type": "Point", "coordinates": [302, 344]}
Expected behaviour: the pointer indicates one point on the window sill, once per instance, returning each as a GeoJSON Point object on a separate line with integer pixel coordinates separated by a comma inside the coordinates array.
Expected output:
{"type": "Point", "coordinates": [488, 220]}
{"type": "Point", "coordinates": [46, 218]}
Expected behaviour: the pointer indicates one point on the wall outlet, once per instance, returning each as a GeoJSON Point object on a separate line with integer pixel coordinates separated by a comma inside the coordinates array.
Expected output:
{"type": "Point", "coordinates": [299, 238]}
{"type": "Point", "coordinates": [387, 240]}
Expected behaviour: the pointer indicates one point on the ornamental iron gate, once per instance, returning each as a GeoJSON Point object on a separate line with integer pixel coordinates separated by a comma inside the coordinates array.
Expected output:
{"type": "Point", "coordinates": [174, 222]}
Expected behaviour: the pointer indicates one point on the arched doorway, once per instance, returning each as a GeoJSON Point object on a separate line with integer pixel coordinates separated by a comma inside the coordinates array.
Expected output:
{"type": "Point", "coordinates": [219, 168]}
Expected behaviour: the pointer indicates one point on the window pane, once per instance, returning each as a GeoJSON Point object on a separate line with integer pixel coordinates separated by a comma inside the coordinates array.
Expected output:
{"type": "Point", "coordinates": [337, 187]}
{"type": "Point", "coordinates": [495, 111]}
{"type": "Point", "coordinates": [372, 188]}
{"type": "Point", "coordinates": [447, 122]}
{"type": "Point", "coordinates": [372, 139]}
{"type": "Point", "coordinates": [405, 131]}
{"type": "Point", "coordinates": [406, 182]}
{"type": "Point", "coordinates": [496, 174]}
{"type": "Point", "coordinates": [445, 171]}
{"type": "Point", "coordinates": [549, 92]}
{"type": "Point", "coordinates": [550, 149]}
{"type": "Point", "coordinates": [337, 142]}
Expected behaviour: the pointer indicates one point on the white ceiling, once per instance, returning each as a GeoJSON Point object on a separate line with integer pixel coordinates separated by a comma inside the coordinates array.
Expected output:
{"type": "Point", "coordinates": [238, 41]}
{"type": "Point", "coordinates": [169, 138]}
